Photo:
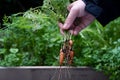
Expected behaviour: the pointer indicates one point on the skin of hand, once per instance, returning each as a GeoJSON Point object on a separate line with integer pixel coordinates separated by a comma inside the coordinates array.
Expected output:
{"type": "Point", "coordinates": [77, 18]}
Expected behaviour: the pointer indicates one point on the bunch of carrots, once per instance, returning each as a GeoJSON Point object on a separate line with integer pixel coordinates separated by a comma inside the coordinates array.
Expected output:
{"type": "Point", "coordinates": [66, 53]}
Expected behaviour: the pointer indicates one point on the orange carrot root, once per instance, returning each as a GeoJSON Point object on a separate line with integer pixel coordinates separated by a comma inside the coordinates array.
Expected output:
{"type": "Point", "coordinates": [61, 57]}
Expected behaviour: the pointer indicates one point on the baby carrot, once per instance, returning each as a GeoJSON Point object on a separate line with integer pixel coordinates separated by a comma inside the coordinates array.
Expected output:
{"type": "Point", "coordinates": [71, 57]}
{"type": "Point", "coordinates": [61, 57]}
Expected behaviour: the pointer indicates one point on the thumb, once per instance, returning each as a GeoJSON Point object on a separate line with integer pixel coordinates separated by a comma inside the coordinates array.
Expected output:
{"type": "Point", "coordinates": [70, 18]}
{"type": "Point", "coordinates": [84, 22]}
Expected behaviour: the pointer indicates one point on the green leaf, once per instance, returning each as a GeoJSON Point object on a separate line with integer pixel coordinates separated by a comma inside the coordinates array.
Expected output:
{"type": "Point", "coordinates": [14, 50]}
{"type": "Point", "coordinates": [2, 51]}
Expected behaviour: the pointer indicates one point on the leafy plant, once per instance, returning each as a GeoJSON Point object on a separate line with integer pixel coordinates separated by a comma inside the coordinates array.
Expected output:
{"type": "Point", "coordinates": [99, 48]}
{"type": "Point", "coordinates": [29, 36]}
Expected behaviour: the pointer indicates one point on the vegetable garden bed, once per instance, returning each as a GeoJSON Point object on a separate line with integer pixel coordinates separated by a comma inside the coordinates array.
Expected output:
{"type": "Point", "coordinates": [47, 72]}
{"type": "Point", "coordinates": [32, 38]}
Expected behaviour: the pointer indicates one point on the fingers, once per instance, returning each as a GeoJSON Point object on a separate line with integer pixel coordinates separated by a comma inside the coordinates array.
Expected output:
{"type": "Point", "coordinates": [61, 30]}
{"type": "Point", "coordinates": [76, 9]}
{"type": "Point", "coordinates": [84, 21]}
{"type": "Point", "coordinates": [74, 25]}
{"type": "Point", "coordinates": [70, 18]}
{"type": "Point", "coordinates": [77, 29]}
{"type": "Point", "coordinates": [79, 24]}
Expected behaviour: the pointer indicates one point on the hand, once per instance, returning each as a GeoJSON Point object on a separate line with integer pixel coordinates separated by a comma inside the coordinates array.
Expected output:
{"type": "Point", "coordinates": [77, 18]}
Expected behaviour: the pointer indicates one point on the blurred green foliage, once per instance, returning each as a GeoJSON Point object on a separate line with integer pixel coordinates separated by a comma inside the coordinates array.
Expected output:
{"type": "Point", "coordinates": [32, 38]}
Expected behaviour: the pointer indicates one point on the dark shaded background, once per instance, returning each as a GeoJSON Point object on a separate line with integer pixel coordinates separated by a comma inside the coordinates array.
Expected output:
{"type": "Point", "coordinates": [8, 7]}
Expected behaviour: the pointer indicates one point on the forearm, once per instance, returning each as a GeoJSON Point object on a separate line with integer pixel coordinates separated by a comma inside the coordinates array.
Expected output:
{"type": "Point", "coordinates": [104, 10]}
